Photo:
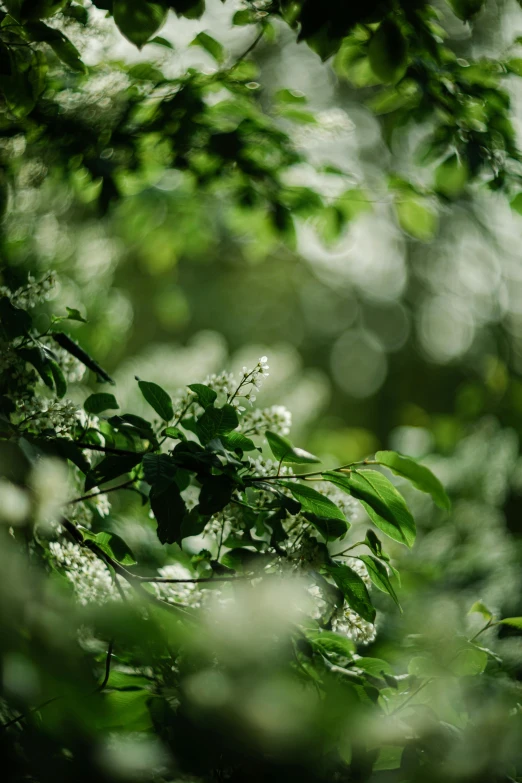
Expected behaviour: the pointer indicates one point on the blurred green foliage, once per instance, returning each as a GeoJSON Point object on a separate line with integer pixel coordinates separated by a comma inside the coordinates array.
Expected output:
{"type": "Point", "coordinates": [209, 191]}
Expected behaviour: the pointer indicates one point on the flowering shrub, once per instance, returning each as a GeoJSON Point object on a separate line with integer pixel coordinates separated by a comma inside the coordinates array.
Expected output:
{"type": "Point", "coordinates": [252, 628]}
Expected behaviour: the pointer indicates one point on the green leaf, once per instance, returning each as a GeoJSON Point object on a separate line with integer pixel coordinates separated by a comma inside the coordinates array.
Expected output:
{"type": "Point", "coordinates": [466, 9]}
{"type": "Point", "coordinates": [375, 667]}
{"type": "Point", "coordinates": [96, 403]}
{"type": "Point", "coordinates": [40, 361]}
{"type": "Point", "coordinates": [138, 20]}
{"type": "Point", "coordinates": [74, 349]}
{"type": "Point", "coordinates": [14, 321]}
{"type": "Point", "coordinates": [313, 501]}
{"type": "Point", "coordinates": [175, 433]}
{"type": "Point", "coordinates": [112, 545]}
{"type": "Point", "coordinates": [331, 643]}
{"type": "Point", "coordinates": [389, 758]}
{"type": "Point", "coordinates": [59, 378]}
{"type": "Point", "coordinates": [210, 45]}
{"type": "Point", "coordinates": [215, 494]}
{"type": "Point", "coordinates": [354, 590]}
{"type": "Point", "coordinates": [514, 622]}
{"type": "Point", "coordinates": [480, 608]}
{"type": "Point", "coordinates": [59, 43]}
{"type": "Point", "coordinates": [284, 451]}
{"type": "Point", "coordinates": [516, 203]}
{"type": "Point", "coordinates": [416, 217]}
{"type": "Point", "coordinates": [236, 441]}
{"type": "Point", "coordinates": [330, 529]}
{"type": "Point", "coordinates": [74, 315]}
{"type": "Point", "coordinates": [244, 17]}
{"type": "Point", "coordinates": [169, 510]}
{"type": "Point", "coordinates": [132, 426]}
{"type": "Point", "coordinates": [384, 504]}
{"type": "Point", "coordinates": [110, 468]}
{"type": "Point", "coordinates": [159, 470]}
{"type": "Point", "coordinates": [161, 42]}
{"type": "Point", "coordinates": [378, 573]}
{"type": "Point", "coordinates": [469, 662]}
{"type": "Point", "coordinates": [451, 177]}
{"type": "Point", "coordinates": [420, 476]}
{"type": "Point", "coordinates": [388, 52]}
{"type": "Point", "coordinates": [215, 422]}
{"type": "Point", "coordinates": [126, 710]}
{"type": "Point", "coordinates": [158, 399]}
{"type": "Point", "coordinates": [206, 396]}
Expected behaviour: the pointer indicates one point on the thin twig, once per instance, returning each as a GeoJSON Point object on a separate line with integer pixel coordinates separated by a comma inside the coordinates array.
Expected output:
{"type": "Point", "coordinates": [249, 49]}
{"type": "Point", "coordinates": [26, 714]}
{"type": "Point", "coordinates": [166, 580]}
{"type": "Point", "coordinates": [104, 492]}
{"type": "Point", "coordinates": [412, 695]}
{"type": "Point", "coordinates": [108, 449]}
{"type": "Point", "coordinates": [105, 680]}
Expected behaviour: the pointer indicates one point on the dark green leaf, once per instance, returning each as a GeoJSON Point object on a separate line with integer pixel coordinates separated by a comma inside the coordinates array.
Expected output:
{"type": "Point", "coordinates": [330, 529]}
{"type": "Point", "coordinates": [284, 451]}
{"type": "Point", "coordinates": [175, 433]}
{"type": "Point", "coordinates": [420, 476]}
{"type": "Point", "coordinates": [112, 545]}
{"type": "Point", "coordinates": [215, 494]}
{"type": "Point", "coordinates": [15, 322]}
{"type": "Point", "coordinates": [41, 363]}
{"type": "Point", "coordinates": [193, 523]}
{"type": "Point", "coordinates": [388, 52]}
{"type": "Point", "coordinates": [385, 505]}
{"type": "Point", "coordinates": [236, 441]}
{"type": "Point", "coordinates": [74, 315]}
{"type": "Point", "coordinates": [161, 42]}
{"type": "Point", "coordinates": [215, 422]}
{"type": "Point", "coordinates": [205, 395]}
{"type": "Point", "coordinates": [59, 378]}
{"type": "Point", "coordinates": [71, 347]}
{"type": "Point", "coordinates": [138, 20]}
{"type": "Point", "coordinates": [169, 510]}
{"type": "Point", "coordinates": [514, 622]}
{"type": "Point", "coordinates": [313, 501]}
{"type": "Point", "coordinates": [379, 575]}
{"type": "Point", "coordinates": [353, 589]}
{"type": "Point", "coordinates": [135, 424]}
{"type": "Point", "coordinates": [97, 403]}
{"type": "Point", "coordinates": [331, 643]}
{"type": "Point", "coordinates": [158, 399]}
{"type": "Point", "coordinates": [59, 43]}
{"type": "Point", "coordinates": [159, 470]}
{"type": "Point", "coordinates": [210, 45]}
{"type": "Point", "coordinates": [110, 468]}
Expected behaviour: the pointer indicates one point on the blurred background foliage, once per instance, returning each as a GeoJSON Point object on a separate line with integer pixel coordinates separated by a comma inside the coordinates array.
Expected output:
{"type": "Point", "coordinates": [376, 260]}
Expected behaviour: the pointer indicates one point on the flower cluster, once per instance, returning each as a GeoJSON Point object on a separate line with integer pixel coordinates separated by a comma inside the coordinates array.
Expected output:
{"type": "Point", "coordinates": [234, 391]}
{"type": "Point", "coordinates": [277, 419]}
{"type": "Point", "coordinates": [88, 575]}
{"type": "Point", "coordinates": [62, 416]}
{"type": "Point", "coordinates": [186, 593]}
{"type": "Point", "coordinates": [72, 369]}
{"type": "Point", "coordinates": [33, 293]}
